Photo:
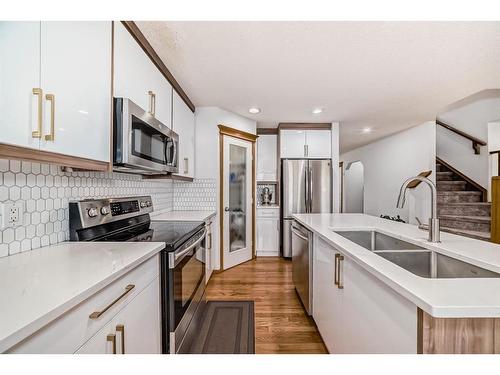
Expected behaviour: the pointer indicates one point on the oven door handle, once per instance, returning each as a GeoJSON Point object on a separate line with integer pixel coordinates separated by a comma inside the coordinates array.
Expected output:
{"type": "Point", "coordinates": [178, 257]}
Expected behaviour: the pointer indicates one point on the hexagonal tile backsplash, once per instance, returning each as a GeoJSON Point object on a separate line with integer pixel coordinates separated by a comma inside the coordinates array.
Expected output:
{"type": "Point", "coordinates": [45, 191]}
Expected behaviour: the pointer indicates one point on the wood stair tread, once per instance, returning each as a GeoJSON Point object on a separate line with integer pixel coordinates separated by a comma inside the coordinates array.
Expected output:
{"type": "Point", "coordinates": [468, 204]}
{"type": "Point", "coordinates": [448, 192]}
{"type": "Point", "coordinates": [474, 219]}
{"type": "Point", "coordinates": [485, 236]}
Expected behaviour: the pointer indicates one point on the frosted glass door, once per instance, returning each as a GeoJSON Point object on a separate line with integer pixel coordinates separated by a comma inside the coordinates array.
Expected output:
{"type": "Point", "coordinates": [237, 196]}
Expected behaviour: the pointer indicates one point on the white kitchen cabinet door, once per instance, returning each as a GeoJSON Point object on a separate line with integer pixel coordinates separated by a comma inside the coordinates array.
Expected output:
{"type": "Point", "coordinates": [319, 144]}
{"type": "Point", "coordinates": [136, 328]}
{"type": "Point", "coordinates": [136, 75]}
{"type": "Point", "coordinates": [76, 71]}
{"type": "Point", "coordinates": [375, 319]}
{"type": "Point", "coordinates": [19, 75]}
{"type": "Point", "coordinates": [292, 143]}
{"type": "Point", "coordinates": [327, 298]}
{"type": "Point", "coordinates": [101, 342]}
{"type": "Point", "coordinates": [183, 124]}
{"type": "Point", "coordinates": [267, 158]}
{"type": "Point", "coordinates": [267, 236]}
{"type": "Point", "coordinates": [141, 322]}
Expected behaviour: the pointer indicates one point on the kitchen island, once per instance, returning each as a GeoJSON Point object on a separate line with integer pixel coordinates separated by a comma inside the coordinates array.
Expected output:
{"type": "Point", "coordinates": [391, 309]}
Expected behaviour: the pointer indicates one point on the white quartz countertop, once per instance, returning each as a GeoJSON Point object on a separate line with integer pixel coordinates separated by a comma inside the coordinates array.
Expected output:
{"type": "Point", "coordinates": [182, 215]}
{"type": "Point", "coordinates": [465, 297]}
{"type": "Point", "coordinates": [40, 285]}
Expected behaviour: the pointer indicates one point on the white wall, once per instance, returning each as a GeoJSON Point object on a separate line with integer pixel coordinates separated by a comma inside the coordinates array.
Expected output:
{"type": "Point", "coordinates": [354, 187]}
{"type": "Point", "coordinates": [388, 163]}
{"type": "Point", "coordinates": [472, 116]}
{"type": "Point", "coordinates": [207, 153]}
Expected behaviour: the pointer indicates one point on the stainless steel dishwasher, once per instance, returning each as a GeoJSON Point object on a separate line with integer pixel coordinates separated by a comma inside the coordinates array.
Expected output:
{"type": "Point", "coordinates": [302, 264]}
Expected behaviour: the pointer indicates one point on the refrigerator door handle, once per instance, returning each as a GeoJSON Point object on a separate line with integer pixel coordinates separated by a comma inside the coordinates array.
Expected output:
{"type": "Point", "coordinates": [310, 189]}
{"type": "Point", "coordinates": [307, 192]}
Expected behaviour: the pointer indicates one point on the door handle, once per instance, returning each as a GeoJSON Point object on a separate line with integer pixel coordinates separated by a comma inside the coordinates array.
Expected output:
{"type": "Point", "coordinates": [226, 209]}
{"type": "Point", "coordinates": [152, 102]}
{"type": "Point", "coordinates": [337, 278]}
{"type": "Point", "coordinates": [39, 93]}
{"type": "Point", "coordinates": [121, 328]}
{"type": "Point", "coordinates": [112, 338]}
{"type": "Point", "coordinates": [52, 99]}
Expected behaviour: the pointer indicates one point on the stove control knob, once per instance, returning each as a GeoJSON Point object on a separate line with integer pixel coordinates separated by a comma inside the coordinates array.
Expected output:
{"type": "Point", "coordinates": [105, 210]}
{"type": "Point", "coordinates": [92, 212]}
{"type": "Point", "coordinates": [148, 203]}
{"type": "Point", "coordinates": [143, 204]}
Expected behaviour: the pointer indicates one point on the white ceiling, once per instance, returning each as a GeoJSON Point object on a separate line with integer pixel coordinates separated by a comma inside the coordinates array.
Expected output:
{"type": "Point", "coordinates": [385, 75]}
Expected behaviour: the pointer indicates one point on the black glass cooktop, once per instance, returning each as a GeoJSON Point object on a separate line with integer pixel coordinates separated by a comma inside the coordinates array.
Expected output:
{"type": "Point", "coordinates": [140, 228]}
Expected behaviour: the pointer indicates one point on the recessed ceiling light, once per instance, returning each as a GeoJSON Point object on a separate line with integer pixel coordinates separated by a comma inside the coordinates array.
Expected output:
{"type": "Point", "coordinates": [366, 130]}
{"type": "Point", "coordinates": [254, 110]}
{"type": "Point", "coordinates": [317, 111]}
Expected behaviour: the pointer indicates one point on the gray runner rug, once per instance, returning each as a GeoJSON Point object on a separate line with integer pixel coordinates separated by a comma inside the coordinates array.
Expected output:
{"type": "Point", "coordinates": [227, 328]}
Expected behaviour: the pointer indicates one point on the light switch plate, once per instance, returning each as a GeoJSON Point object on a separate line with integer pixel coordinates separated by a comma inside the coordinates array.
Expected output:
{"type": "Point", "coordinates": [11, 215]}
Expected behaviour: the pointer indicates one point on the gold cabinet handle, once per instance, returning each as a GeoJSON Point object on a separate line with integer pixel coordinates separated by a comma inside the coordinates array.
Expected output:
{"type": "Point", "coordinates": [152, 102]}
{"type": "Point", "coordinates": [121, 328]}
{"type": "Point", "coordinates": [186, 165]}
{"type": "Point", "coordinates": [97, 314]}
{"type": "Point", "coordinates": [209, 241]}
{"type": "Point", "coordinates": [52, 99]}
{"type": "Point", "coordinates": [38, 92]}
{"type": "Point", "coordinates": [335, 271]}
{"type": "Point", "coordinates": [112, 338]}
{"type": "Point", "coordinates": [338, 259]}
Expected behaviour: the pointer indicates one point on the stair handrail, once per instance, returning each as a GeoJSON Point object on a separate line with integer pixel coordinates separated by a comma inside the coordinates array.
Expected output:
{"type": "Point", "coordinates": [476, 142]}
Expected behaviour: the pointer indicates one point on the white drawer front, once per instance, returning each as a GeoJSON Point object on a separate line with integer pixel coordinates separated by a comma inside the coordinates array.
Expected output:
{"type": "Point", "coordinates": [268, 212]}
{"type": "Point", "coordinates": [68, 332]}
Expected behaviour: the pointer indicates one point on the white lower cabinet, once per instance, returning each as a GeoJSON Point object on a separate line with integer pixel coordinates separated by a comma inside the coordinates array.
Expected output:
{"type": "Point", "coordinates": [361, 314]}
{"type": "Point", "coordinates": [132, 301]}
{"type": "Point", "coordinates": [267, 231]}
{"type": "Point", "coordinates": [135, 329]}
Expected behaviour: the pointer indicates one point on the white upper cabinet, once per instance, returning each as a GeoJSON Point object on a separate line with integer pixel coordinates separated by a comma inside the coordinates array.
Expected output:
{"type": "Point", "coordinates": [19, 75]}
{"type": "Point", "coordinates": [267, 158]}
{"type": "Point", "coordinates": [183, 123]}
{"type": "Point", "coordinates": [313, 144]}
{"type": "Point", "coordinates": [138, 79]}
{"type": "Point", "coordinates": [319, 144]}
{"type": "Point", "coordinates": [76, 82]}
{"type": "Point", "coordinates": [55, 87]}
{"type": "Point", "coordinates": [292, 143]}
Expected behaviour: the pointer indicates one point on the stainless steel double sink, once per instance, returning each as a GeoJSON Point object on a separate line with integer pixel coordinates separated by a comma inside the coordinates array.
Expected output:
{"type": "Point", "coordinates": [416, 259]}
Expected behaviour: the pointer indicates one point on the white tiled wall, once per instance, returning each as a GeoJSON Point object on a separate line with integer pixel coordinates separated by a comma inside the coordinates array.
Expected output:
{"type": "Point", "coordinates": [45, 192]}
{"type": "Point", "coordinates": [201, 194]}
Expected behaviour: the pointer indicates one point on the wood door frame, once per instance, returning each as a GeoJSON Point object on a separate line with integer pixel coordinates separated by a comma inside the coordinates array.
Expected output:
{"type": "Point", "coordinates": [252, 138]}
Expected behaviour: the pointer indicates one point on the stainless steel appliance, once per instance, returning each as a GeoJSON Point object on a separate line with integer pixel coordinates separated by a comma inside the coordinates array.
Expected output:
{"type": "Point", "coordinates": [306, 187]}
{"type": "Point", "coordinates": [302, 264]}
{"type": "Point", "coordinates": [141, 143]}
{"type": "Point", "coordinates": [182, 261]}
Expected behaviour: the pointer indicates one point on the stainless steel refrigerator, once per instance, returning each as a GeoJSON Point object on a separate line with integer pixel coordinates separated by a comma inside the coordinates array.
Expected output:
{"type": "Point", "coordinates": [306, 187]}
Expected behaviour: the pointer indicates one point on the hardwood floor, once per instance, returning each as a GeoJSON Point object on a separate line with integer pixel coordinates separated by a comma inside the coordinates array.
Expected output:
{"type": "Point", "coordinates": [281, 324]}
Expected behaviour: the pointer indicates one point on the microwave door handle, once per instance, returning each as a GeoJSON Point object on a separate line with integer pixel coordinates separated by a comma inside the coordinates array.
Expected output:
{"type": "Point", "coordinates": [174, 158]}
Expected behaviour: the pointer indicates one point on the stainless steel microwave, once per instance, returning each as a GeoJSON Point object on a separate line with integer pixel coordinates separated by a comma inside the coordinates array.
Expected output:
{"type": "Point", "coordinates": [141, 143]}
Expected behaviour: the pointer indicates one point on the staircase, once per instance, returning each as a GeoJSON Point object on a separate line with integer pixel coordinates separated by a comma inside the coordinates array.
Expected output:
{"type": "Point", "coordinates": [461, 204]}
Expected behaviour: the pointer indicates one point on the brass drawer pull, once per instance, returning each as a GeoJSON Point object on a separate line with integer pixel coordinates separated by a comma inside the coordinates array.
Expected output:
{"type": "Point", "coordinates": [39, 93]}
{"type": "Point", "coordinates": [97, 314]}
{"type": "Point", "coordinates": [112, 338]}
{"type": "Point", "coordinates": [121, 328]}
{"type": "Point", "coordinates": [338, 259]}
{"type": "Point", "coordinates": [52, 99]}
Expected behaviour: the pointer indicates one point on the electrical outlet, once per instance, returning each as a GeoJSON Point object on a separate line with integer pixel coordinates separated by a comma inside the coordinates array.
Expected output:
{"type": "Point", "coordinates": [11, 215]}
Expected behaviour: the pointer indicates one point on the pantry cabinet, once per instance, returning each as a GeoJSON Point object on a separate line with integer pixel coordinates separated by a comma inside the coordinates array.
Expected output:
{"type": "Point", "coordinates": [267, 231]}
{"type": "Point", "coordinates": [56, 87]}
{"type": "Point", "coordinates": [301, 143]}
{"type": "Point", "coordinates": [354, 311]}
{"type": "Point", "coordinates": [138, 79]}
{"type": "Point", "coordinates": [183, 124]}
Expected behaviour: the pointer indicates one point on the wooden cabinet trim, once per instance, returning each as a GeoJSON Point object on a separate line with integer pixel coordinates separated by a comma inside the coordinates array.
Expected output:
{"type": "Point", "coordinates": [139, 37]}
{"type": "Point", "coordinates": [40, 156]}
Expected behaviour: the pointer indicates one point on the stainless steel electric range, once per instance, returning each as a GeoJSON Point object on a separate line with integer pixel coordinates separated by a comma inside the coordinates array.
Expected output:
{"type": "Point", "coordinates": [182, 262]}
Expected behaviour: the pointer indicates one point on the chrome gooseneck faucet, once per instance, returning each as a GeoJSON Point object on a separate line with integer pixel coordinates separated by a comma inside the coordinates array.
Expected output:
{"type": "Point", "coordinates": [433, 221]}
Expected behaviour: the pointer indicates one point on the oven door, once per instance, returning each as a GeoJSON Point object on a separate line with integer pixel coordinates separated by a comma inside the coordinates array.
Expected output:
{"type": "Point", "coordinates": [141, 141]}
{"type": "Point", "coordinates": [187, 272]}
